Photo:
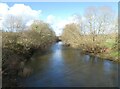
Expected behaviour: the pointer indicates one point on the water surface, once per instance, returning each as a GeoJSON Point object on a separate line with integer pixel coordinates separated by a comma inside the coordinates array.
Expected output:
{"type": "Point", "coordinates": [66, 67]}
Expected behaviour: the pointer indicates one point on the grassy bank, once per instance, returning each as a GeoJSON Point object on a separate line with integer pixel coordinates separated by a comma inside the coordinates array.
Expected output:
{"type": "Point", "coordinates": [106, 50]}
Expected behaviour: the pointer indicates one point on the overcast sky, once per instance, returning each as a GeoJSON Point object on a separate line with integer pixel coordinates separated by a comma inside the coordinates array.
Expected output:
{"type": "Point", "coordinates": [56, 14]}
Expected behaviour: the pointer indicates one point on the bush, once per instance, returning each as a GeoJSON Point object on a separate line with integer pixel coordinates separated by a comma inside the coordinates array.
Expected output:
{"type": "Point", "coordinates": [20, 46]}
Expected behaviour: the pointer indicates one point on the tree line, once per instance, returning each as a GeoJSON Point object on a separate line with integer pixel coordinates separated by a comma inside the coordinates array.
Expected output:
{"type": "Point", "coordinates": [96, 32]}
{"type": "Point", "coordinates": [19, 43]}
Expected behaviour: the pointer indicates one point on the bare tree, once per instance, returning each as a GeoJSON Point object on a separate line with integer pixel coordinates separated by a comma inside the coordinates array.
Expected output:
{"type": "Point", "coordinates": [98, 20]}
{"type": "Point", "coordinates": [13, 23]}
{"type": "Point", "coordinates": [105, 19]}
{"type": "Point", "coordinates": [91, 15]}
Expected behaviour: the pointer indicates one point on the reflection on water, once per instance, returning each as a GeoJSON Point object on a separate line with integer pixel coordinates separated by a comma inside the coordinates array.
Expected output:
{"type": "Point", "coordinates": [62, 66]}
{"type": "Point", "coordinates": [25, 72]}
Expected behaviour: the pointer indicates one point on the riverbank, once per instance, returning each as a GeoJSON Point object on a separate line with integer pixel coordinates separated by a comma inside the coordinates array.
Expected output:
{"type": "Point", "coordinates": [107, 50]}
{"type": "Point", "coordinates": [14, 62]}
{"type": "Point", "coordinates": [105, 56]}
{"type": "Point", "coordinates": [94, 42]}
{"type": "Point", "coordinates": [18, 48]}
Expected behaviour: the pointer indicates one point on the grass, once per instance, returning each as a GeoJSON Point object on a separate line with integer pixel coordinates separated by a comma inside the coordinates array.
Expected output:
{"type": "Point", "coordinates": [113, 52]}
{"type": "Point", "coordinates": [109, 43]}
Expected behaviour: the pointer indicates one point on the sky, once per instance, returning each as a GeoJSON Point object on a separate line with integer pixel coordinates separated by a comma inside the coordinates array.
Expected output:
{"type": "Point", "coordinates": [57, 14]}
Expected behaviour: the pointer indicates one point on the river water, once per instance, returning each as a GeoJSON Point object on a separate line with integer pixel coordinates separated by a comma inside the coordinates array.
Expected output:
{"type": "Point", "coordinates": [66, 67]}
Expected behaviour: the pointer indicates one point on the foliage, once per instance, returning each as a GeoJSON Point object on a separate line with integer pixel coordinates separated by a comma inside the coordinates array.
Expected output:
{"type": "Point", "coordinates": [97, 34]}
{"type": "Point", "coordinates": [19, 46]}
{"type": "Point", "coordinates": [71, 34]}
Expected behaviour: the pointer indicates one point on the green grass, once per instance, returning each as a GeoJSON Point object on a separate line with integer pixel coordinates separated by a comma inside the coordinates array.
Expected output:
{"type": "Point", "coordinates": [109, 43]}
{"type": "Point", "coordinates": [113, 53]}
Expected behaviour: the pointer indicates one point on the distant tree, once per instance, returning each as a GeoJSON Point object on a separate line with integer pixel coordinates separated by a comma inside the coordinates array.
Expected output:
{"type": "Point", "coordinates": [98, 20]}
{"type": "Point", "coordinates": [91, 16]}
{"type": "Point", "coordinates": [105, 18]}
{"type": "Point", "coordinates": [71, 33]}
{"type": "Point", "coordinates": [13, 23]}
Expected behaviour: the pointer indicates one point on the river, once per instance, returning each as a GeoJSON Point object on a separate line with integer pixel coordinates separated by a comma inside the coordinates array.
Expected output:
{"type": "Point", "coordinates": [66, 67]}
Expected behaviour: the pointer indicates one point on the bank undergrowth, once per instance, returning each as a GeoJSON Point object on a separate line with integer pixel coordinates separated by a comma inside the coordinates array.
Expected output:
{"type": "Point", "coordinates": [104, 46]}
{"type": "Point", "coordinates": [18, 48]}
